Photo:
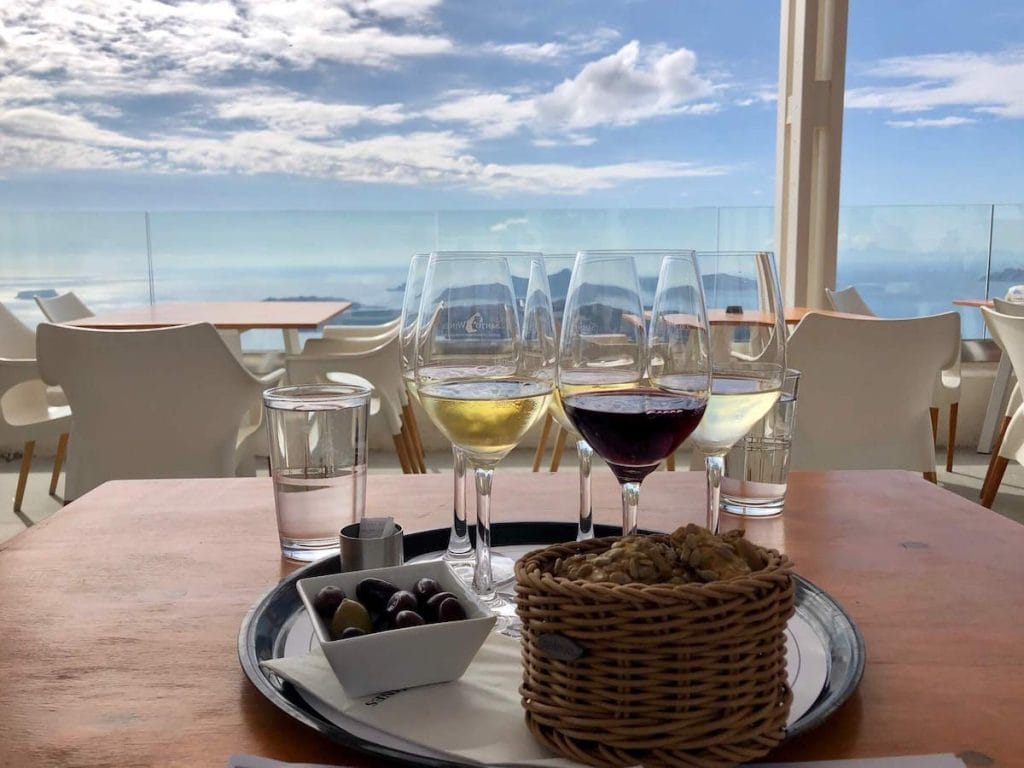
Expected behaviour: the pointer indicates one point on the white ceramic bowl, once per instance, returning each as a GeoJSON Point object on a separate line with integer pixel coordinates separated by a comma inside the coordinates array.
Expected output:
{"type": "Point", "coordinates": [401, 658]}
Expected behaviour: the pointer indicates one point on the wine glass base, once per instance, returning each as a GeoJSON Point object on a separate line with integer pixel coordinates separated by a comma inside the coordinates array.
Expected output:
{"type": "Point", "coordinates": [504, 609]}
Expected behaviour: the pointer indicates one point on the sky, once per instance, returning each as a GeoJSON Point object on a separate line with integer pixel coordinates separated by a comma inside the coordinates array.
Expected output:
{"type": "Point", "coordinates": [426, 104]}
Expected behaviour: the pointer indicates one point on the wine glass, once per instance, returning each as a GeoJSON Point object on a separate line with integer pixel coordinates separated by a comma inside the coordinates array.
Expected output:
{"type": "Point", "coordinates": [459, 554]}
{"type": "Point", "coordinates": [748, 349]}
{"type": "Point", "coordinates": [559, 268]}
{"type": "Point", "coordinates": [484, 372]}
{"type": "Point", "coordinates": [634, 396]}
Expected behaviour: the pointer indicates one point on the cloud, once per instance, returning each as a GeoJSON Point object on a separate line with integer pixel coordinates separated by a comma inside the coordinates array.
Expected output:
{"type": "Point", "coordinates": [931, 122]}
{"type": "Point", "coordinates": [503, 225]}
{"type": "Point", "coordinates": [617, 90]}
{"type": "Point", "coordinates": [199, 88]}
{"type": "Point", "coordinates": [990, 83]}
{"type": "Point", "coordinates": [579, 44]}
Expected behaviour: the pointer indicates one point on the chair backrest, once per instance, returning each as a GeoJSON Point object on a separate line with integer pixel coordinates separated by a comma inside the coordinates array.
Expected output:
{"type": "Point", "coordinates": [157, 403]}
{"type": "Point", "coordinates": [380, 366]}
{"type": "Point", "coordinates": [848, 300]}
{"type": "Point", "coordinates": [865, 389]}
{"type": "Point", "coordinates": [1008, 332]}
{"type": "Point", "coordinates": [1011, 308]}
{"type": "Point", "coordinates": [64, 308]}
{"type": "Point", "coordinates": [17, 340]}
{"type": "Point", "coordinates": [360, 331]}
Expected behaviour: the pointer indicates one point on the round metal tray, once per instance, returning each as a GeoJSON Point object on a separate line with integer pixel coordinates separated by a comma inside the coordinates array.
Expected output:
{"type": "Point", "coordinates": [265, 627]}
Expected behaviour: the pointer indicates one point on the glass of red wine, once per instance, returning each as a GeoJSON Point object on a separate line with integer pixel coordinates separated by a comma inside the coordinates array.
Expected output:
{"type": "Point", "coordinates": [634, 391]}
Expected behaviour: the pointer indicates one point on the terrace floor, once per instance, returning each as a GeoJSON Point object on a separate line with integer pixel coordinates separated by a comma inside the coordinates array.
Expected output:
{"type": "Point", "coordinates": [965, 480]}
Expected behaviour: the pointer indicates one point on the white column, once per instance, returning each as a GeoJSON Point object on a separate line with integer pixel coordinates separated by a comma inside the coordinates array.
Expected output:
{"type": "Point", "coordinates": [812, 74]}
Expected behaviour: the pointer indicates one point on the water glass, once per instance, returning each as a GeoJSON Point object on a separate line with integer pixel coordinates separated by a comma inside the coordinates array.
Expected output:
{"type": "Point", "coordinates": [318, 464]}
{"type": "Point", "coordinates": [757, 467]}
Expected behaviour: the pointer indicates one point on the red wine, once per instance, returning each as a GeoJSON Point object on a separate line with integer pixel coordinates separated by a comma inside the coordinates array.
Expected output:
{"type": "Point", "coordinates": [634, 429]}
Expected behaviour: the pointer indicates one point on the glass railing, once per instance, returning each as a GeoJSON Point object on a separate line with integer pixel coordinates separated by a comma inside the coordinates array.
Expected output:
{"type": "Point", "coordinates": [906, 260]}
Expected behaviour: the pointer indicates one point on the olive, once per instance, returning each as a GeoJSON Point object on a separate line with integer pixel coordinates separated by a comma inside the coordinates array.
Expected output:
{"type": "Point", "coordinates": [405, 619]}
{"type": "Point", "coordinates": [351, 632]}
{"type": "Point", "coordinates": [433, 603]}
{"type": "Point", "coordinates": [425, 588]}
{"type": "Point", "coordinates": [450, 609]}
{"type": "Point", "coordinates": [400, 601]}
{"type": "Point", "coordinates": [327, 601]}
{"type": "Point", "coordinates": [350, 614]}
{"type": "Point", "coordinates": [374, 593]}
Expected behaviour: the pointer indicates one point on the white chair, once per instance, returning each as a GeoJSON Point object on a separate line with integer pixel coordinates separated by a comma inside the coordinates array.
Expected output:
{"type": "Point", "coordinates": [170, 402]}
{"type": "Point", "coordinates": [1015, 400]}
{"type": "Point", "coordinates": [1008, 331]}
{"type": "Point", "coordinates": [946, 389]}
{"type": "Point", "coordinates": [379, 369]}
{"type": "Point", "coordinates": [28, 410]}
{"type": "Point", "coordinates": [64, 308]}
{"type": "Point", "coordinates": [865, 388]}
{"type": "Point", "coordinates": [359, 332]}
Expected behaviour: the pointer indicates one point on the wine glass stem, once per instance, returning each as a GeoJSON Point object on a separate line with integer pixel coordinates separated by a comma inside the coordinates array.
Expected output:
{"type": "Point", "coordinates": [630, 506]}
{"type": "Point", "coordinates": [585, 455]}
{"type": "Point", "coordinates": [715, 466]}
{"type": "Point", "coordinates": [483, 579]}
{"type": "Point", "coordinates": [459, 546]}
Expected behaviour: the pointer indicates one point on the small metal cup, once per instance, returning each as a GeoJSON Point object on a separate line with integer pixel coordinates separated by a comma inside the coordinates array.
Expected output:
{"type": "Point", "coordinates": [360, 554]}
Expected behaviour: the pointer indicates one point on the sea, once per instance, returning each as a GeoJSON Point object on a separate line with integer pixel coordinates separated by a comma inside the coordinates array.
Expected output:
{"type": "Point", "coordinates": [905, 260]}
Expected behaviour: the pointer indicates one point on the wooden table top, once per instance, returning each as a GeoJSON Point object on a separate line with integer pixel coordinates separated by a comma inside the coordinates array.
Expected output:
{"type": "Point", "coordinates": [973, 303]}
{"type": "Point", "coordinates": [119, 614]}
{"type": "Point", "coordinates": [226, 315]}
{"type": "Point", "coordinates": [796, 314]}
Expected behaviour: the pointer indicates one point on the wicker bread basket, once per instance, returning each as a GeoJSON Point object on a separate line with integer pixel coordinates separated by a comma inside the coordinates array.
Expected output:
{"type": "Point", "coordinates": [658, 675]}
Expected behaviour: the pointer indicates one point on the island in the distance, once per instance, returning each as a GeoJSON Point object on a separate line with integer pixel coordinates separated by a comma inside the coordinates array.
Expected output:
{"type": "Point", "coordinates": [42, 293]}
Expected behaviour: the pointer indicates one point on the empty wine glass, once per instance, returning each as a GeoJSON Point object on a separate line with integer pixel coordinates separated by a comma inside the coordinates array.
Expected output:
{"type": "Point", "coordinates": [484, 372]}
{"type": "Point", "coordinates": [459, 554]}
{"type": "Point", "coordinates": [748, 350]}
{"type": "Point", "coordinates": [633, 395]}
{"type": "Point", "coordinates": [559, 268]}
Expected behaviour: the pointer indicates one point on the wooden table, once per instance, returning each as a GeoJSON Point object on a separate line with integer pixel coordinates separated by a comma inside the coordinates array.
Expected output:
{"type": "Point", "coordinates": [974, 303]}
{"type": "Point", "coordinates": [119, 614]}
{"type": "Point", "coordinates": [290, 316]}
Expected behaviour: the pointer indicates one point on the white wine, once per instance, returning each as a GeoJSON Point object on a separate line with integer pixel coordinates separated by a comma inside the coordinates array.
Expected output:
{"type": "Point", "coordinates": [734, 407]}
{"type": "Point", "coordinates": [486, 418]}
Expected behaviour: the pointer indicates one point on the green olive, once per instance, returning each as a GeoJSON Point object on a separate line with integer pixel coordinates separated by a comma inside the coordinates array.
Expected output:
{"type": "Point", "coordinates": [350, 614]}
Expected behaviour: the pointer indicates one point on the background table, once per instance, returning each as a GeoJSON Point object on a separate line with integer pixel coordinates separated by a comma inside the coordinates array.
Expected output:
{"type": "Point", "coordinates": [119, 614]}
{"type": "Point", "coordinates": [290, 316]}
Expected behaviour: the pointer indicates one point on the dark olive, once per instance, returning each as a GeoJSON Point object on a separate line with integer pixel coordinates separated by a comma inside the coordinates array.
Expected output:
{"type": "Point", "coordinates": [327, 601]}
{"type": "Point", "coordinates": [400, 601]}
{"type": "Point", "coordinates": [374, 593]}
{"type": "Point", "coordinates": [382, 623]}
{"type": "Point", "coordinates": [405, 619]}
{"type": "Point", "coordinates": [450, 610]}
{"type": "Point", "coordinates": [352, 632]}
{"type": "Point", "coordinates": [425, 588]}
{"type": "Point", "coordinates": [433, 603]}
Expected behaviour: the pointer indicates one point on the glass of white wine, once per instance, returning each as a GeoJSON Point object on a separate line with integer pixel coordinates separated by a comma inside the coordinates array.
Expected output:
{"type": "Point", "coordinates": [748, 352]}
{"type": "Point", "coordinates": [459, 554]}
{"type": "Point", "coordinates": [485, 368]}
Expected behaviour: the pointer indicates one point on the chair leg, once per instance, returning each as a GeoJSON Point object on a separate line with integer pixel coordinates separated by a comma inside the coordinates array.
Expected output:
{"type": "Point", "coordinates": [409, 419]}
{"type": "Point", "coordinates": [403, 459]}
{"type": "Point", "coordinates": [670, 463]}
{"type": "Point", "coordinates": [26, 465]}
{"type": "Point", "coordinates": [993, 486]}
{"type": "Point", "coordinates": [556, 455]}
{"type": "Point", "coordinates": [58, 462]}
{"type": "Point", "coordinates": [951, 442]}
{"type": "Point", "coordinates": [931, 477]}
{"type": "Point", "coordinates": [934, 413]}
{"type": "Point", "coordinates": [410, 451]}
{"type": "Point", "coordinates": [995, 454]}
{"type": "Point", "coordinates": [542, 444]}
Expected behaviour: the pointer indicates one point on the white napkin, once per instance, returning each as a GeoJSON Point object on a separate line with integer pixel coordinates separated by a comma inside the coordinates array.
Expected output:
{"type": "Point", "coordinates": [483, 703]}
